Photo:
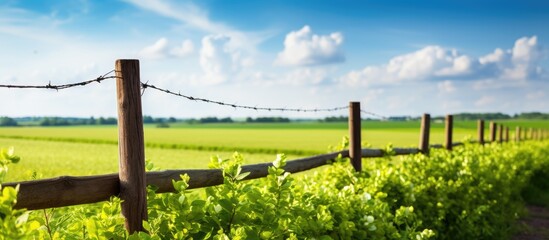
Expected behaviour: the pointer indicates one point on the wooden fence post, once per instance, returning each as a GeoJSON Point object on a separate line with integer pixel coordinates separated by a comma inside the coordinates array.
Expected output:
{"type": "Point", "coordinates": [493, 130]}
{"type": "Point", "coordinates": [424, 134]}
{"type": "Point", "coordinates": [130, 145]}
{"type": "Point", "coordinates": [500, 126]}
{"type": "Point", "coordinates": [506, 134]}
{"type": "Point", "coordinates": [480, 126]}
{"type": "Point", "coordinates": [355, 142]}
{"type": "Point", "coordinates": [517, 134]}
{"type": "Point", "coordinates": [540, 134]}
{"type": "Point", "coordinates": [530, 134]}
{"type": "Point", "coordinates": [448, 130]}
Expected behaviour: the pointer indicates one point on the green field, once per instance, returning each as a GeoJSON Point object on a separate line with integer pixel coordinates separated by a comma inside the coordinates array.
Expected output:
{"type": "Point", "coordinates": [87, 150]}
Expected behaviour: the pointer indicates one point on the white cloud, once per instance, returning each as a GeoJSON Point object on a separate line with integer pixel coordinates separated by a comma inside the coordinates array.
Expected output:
{"type": "Point", "coordinates": [431, 62]}
{"type": "Point", "coordinates": [185, 49]}
{"type": "Point", "coordinates": [158, 50]}
{"type": "Point", "coordinates": [526, 50]}
{"type": "Point", "coordinates": [303, 48]}
{"type": "Point", "coordinates": [161, 49]}
{"type": "Point", "coordinates": [521, 63]}
{"type": "Point", "coordinates": [218, 60]}
{"type": "Point", "coordinates": [194, 17]}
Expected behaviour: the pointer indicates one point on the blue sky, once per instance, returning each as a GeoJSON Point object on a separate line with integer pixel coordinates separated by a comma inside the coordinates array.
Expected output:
{"type": "Point", "coordinates": [395, 57]}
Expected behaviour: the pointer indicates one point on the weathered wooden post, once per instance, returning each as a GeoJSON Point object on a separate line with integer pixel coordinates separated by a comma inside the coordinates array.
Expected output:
{"type": "Point", "coordinates": [130, 145]}
{"type": "Point", "coordinates": [493, 131]}
{"type": "Point", "coordinates": [424, 134]}
{"type": "Point", "coordinates": [480, 131]}
{"type": "Point", "coordinates": [540, 134]}
{"type": "Point", "coordinates": [506, 134]}
{"type": "Point", "coordinates": [355, 141]}
{"type": "Point", "coordinates": [530, 134]}
{"type": "Point", "coordinates": [448, 131]}
{"type": "Point", "coordinates": [500, 133]}
{"type": "Point", "coordinates": [517, 134]}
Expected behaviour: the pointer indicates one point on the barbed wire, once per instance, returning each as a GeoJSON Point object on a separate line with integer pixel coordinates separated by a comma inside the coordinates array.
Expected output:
{"type": "Point", "coordinates": [282, 109]}
{"type": "Point", "coordinates": [373, 114]}
{"type": "Point", "coordinates": [178, 94]}
{"type": "Point", "coordinates": [63, 86]}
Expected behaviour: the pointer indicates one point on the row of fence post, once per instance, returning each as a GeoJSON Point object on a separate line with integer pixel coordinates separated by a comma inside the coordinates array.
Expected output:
{"type": "Point", "coordinates": [132, 177]}
{"type": "Point", "coordinates": [423, 146]}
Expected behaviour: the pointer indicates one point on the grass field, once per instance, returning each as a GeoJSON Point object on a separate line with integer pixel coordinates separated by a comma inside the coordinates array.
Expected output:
{"type": "Point", "coordinates": [87, 150]}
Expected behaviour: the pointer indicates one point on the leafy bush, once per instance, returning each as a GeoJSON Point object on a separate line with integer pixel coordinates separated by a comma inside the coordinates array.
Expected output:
{"type": "Point", "coordinates": [14, 224]}
{"type": "Point", "coordinates": [473, 192]}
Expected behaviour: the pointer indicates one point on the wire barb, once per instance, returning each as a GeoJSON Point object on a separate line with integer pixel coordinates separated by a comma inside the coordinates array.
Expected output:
{"type": "Point", "coordinates": [62, 86]}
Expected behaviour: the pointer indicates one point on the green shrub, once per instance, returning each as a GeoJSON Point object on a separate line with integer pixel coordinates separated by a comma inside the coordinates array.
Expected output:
{"type": "Point", "coordinates": [473, 192]}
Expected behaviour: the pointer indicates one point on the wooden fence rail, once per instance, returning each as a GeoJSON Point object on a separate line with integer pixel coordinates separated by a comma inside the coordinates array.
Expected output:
{"type": "Point", "coordinates": [68, 191]}
{"type": "Point", "coordinates": [131, 181]}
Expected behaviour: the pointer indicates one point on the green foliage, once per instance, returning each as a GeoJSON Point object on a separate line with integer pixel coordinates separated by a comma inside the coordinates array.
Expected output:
{"type": "Point", "coordinates": [6, 157]}
{"type": "Point", "coordinates": [537, 192]}
{"type": "Point", "coordinates": [14, 224]}
{"type": "Point", "coordinates": [473, 192]}
{"type": "Point", "coordinates": [6, 121]}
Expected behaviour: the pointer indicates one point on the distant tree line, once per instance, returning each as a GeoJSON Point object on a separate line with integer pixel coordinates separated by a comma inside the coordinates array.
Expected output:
{"type": "Point", "coordinates": [8, 122]}
{"type": "Point", "coordinates": [499, 116]}
{"type": "Point", "coordinates": [164, 122]}
{"type": "Point", "coordinates": [56, 121]}
{"type": "Point", "coordinates": [267, 120]}
{"type": "Point", "coordinates": [335, 119]}
{"type": "Point", "coordinates": [230, 120]}
{"type": "Point", "coordinates": [209, 120]}
{"type": "Point", "coordinates": [149, 119]}
{"type": "Point", "coordinates": [59, 121]}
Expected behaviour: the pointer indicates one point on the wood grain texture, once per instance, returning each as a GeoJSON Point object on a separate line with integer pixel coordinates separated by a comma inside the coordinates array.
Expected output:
{"type": "Point", "coordinates": [448, 130]}
{"type": "Point", "coordinates": [493, 131]}
{"type": "Point", "coordinates": [68, 191]}
{"type": "Point", "coordinates": [480, 131]}
{"type": "Point", "coordinates": [131, 147]}
{"type": "Point", "coordinates": [355, 140]}
{"type": "Point", "coordinates": [501, 129]}
{"type": "Point", "coordinates": [424, 133]}
{"type": "Point", "coordinates": [65, 191]}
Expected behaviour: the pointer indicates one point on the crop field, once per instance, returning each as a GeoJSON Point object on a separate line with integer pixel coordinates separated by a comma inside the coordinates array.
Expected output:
{"type": "Point", "coordinates": [88, 150]}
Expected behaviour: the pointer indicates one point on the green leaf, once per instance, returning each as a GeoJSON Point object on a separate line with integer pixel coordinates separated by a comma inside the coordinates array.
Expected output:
{"type": "Point", "coordinates": [242, 176]}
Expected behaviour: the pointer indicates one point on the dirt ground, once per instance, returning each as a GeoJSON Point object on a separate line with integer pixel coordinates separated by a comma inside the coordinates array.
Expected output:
{"type": "Point", "coordinates": [535, 225]}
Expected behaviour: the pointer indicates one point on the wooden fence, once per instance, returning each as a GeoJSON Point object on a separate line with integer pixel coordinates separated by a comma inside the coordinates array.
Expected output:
{"type": "Point", "coordinates": [131, 180]}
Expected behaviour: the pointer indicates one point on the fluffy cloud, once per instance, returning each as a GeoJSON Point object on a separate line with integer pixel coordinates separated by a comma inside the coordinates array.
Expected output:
{"type": "Point", "coordinates": [520, 63]}
{"type": "Point", "coordinates": [303, 48]}
{"type": "Point", "coordinates": [161, 49]}
{"type": "Point", "coordinates": [220, 61]}
{"type": "Point", "coordinates": [185, 49]}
